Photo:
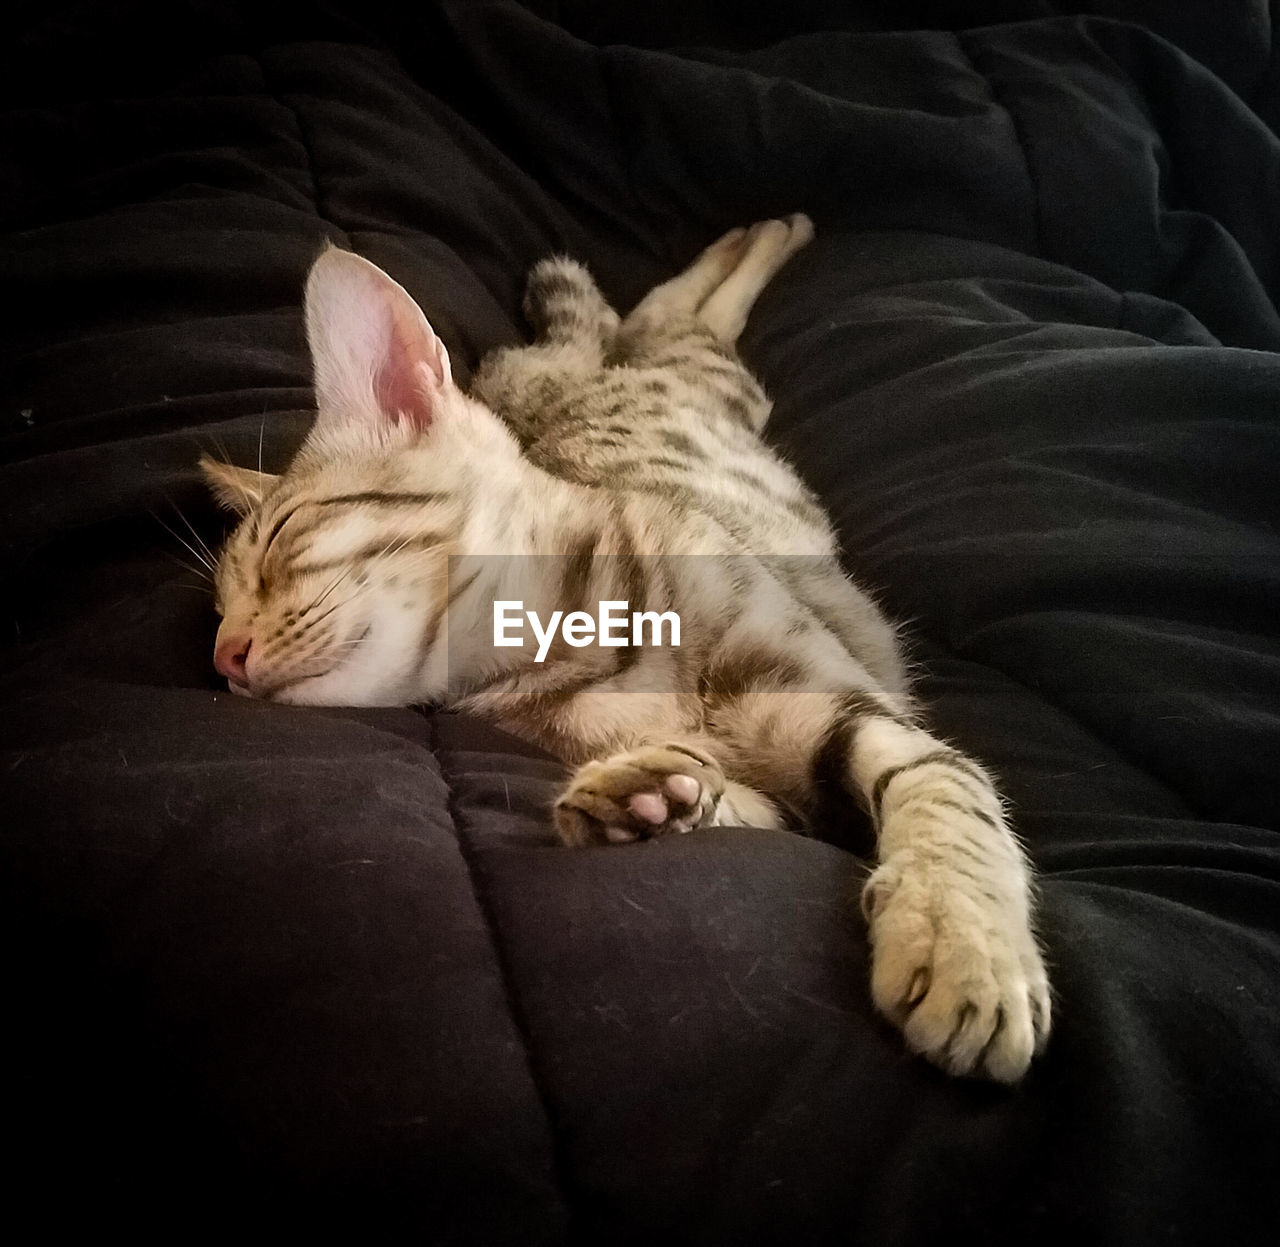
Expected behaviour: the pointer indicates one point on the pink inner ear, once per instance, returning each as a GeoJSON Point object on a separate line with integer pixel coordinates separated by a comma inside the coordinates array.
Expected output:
{"type": "Point", "coordinates": [409, 378]}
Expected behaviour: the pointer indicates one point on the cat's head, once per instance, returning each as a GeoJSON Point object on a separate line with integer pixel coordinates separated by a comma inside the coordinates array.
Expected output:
{"type": "Point", "coordinates": [333, 587]}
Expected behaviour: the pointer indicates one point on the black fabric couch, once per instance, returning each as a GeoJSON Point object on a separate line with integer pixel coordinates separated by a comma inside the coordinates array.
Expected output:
{"type": "Point", "coordinates": [325, 972]}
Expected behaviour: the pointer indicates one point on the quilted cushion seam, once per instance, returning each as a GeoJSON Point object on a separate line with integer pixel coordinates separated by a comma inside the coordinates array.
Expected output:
{"type": "Point", "coordinates": [304, 142]}
{"type": "Point", "coordinates": [511, 997]}
{"type": "Point", "coordinates": [967, 46]}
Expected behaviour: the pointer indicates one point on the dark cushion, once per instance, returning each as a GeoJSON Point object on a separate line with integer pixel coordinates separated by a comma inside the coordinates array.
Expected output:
{"type": "Point", "coordinates": [326, 970]}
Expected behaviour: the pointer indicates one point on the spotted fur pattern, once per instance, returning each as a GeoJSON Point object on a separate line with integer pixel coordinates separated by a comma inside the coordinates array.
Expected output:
{"type": "Point", "coordinates": [622, 459]}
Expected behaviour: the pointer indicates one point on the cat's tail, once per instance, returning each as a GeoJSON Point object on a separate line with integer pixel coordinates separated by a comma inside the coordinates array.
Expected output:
{"type": "Point", "coordinates": [564, 306]}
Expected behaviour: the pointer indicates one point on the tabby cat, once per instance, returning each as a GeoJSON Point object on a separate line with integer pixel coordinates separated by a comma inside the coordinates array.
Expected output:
{"type": "Point", "coordinates": [631, 451]}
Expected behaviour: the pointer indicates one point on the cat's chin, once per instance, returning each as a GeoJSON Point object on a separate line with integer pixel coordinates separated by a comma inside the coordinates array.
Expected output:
{"type": "Point", "coordinates": [358, 675]}
{"type": "Point", "coordinates": [317, 690]}
{"type": "Point", "coordinates": [332, 689]}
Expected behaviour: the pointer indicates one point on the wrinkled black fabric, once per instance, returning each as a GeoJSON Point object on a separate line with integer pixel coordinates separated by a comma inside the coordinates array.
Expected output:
{"type": "Point", "coordinates": [295, 970]}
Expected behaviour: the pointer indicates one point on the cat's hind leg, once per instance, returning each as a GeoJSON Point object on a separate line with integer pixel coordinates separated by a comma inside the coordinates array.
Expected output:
{"type": "Point", "coordinates": [688, 326]}
{"type": "Point", "coordinates": [678, 300]}
{"type": "Point", "coordinates": [718, 290]}
{"type": "Point", "coordinates": [767, 247]}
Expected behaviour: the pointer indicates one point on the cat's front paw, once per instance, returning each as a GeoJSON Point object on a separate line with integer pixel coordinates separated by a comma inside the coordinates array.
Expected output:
{"type": "Point", "coordinates": [957, 970]}
{"type": "Point", "coordinates": [657, 790]}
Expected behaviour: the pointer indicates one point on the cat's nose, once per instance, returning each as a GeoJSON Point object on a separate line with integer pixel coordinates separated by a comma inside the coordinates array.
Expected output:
{"type": "Point", "coordinates": [230, 655]}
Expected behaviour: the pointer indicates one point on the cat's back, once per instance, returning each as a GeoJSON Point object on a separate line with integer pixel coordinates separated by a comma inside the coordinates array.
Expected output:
{"type": "Point", "coordinates": [655, 435]}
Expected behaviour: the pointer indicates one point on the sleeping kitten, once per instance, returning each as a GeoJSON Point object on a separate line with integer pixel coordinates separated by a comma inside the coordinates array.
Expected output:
{"type": "Point", "coordinates": [363, 576]}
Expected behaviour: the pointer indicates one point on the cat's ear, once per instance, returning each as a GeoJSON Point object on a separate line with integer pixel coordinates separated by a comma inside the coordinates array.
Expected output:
{"type": "Point", "coordinates": [237, 489]}
{"type": "Point", "coordinates": [376, 359]}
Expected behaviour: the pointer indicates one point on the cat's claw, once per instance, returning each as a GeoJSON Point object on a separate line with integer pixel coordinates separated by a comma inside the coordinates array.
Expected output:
{"type": "Point", "coordinates": [959, 974]}
{"type": "Point", "coordinates": [646, 792]}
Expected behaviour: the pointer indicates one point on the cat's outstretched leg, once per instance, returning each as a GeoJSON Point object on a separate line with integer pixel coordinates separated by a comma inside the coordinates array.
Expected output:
{"type": "Point", "coordinates": [679, 298]}
{"type": "Point", "coordinates": [767, 247]}
{"type": "Point", "coordinates": [720, 287]}
{"type": "Point", "coordinates": [954, 959]}
{"type": "Point", "coordinates": [688, 326]}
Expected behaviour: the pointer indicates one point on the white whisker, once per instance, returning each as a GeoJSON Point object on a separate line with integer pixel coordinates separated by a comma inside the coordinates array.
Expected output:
{"type": "Point", "coordinates": [184, 543]}
{"type": "Point", "coordinates": [188, 567]}
{"type": "Point", "coordinates": [333, 584]}
{"type": "Point", "coordinates": [200, 541]}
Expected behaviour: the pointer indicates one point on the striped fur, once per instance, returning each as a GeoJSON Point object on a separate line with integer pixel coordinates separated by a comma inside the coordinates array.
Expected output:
{"type": "Point", "coordinates": [622, 460]}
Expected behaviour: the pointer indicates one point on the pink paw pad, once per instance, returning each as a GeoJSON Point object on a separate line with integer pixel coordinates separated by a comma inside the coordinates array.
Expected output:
{"type": "Point", "coordinates": [649, 807]}
{"type": "Point", "coordinates": [683, 788]}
